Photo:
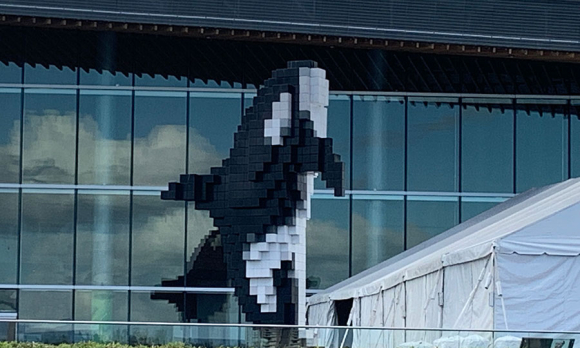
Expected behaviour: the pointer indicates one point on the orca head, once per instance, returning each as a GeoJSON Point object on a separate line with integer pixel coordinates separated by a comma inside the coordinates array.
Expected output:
{"type": "Point", "coordinates": [300, 101]}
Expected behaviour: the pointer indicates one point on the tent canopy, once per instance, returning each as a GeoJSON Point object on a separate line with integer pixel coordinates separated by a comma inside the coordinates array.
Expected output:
{"type": "Point", "coordinates": [529, 243]}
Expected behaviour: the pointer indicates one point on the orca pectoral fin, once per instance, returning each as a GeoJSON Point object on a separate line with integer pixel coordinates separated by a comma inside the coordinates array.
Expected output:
{"type": "Point", "coordinates": [333, 174]}
{"type": "Point", "coordinates": [175, 192]}
{"type": "Point", "coordinates": [191, 187]}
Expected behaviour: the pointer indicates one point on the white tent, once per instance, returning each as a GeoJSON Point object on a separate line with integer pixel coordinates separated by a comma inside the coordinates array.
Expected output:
{"type": "Point", "coordinates": [515, 267]}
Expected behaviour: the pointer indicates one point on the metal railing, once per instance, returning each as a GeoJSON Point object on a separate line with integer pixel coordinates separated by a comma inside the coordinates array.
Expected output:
{"type": "Point", "coordinates": [252, 335]}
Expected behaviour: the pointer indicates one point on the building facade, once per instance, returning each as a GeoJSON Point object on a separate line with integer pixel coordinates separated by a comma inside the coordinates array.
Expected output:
{"type": "Point", "coordinates": [94, 123]}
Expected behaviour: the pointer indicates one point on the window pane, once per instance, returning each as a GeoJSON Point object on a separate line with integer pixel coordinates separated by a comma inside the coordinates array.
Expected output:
{"type": "Point", "coordinates": [104, 78]}
{"type": "Point", "coordinates": [378, 143]}
{"type": "Point", "coordinates": [10, 73]}
{"type": "Point", "coordinates": [160, 81]}
{"type": "Point", "coordinates": [49, 136]}
{"type": "Point", "coordinates": [145, 308]}
{"type": "Point", "coordinates": [102, 238]}
{"type": "Point", "coordinates": [105, 137]}
{"type": "Point", "coordinates": [327, 243]}
{"type": "Point", "coordinates": [201, 308]}
{"type": "Point", "coordinates": [159, 153]}
{"type": "Point", "coordinates": [8, 311]}
{"type": "Point", "coordinates": [575, 141]}
{"type": "Point", "coordinates": [541, 145]}
{"type": "Point", "coordinates": [101, 305]}
{"type": "Point", "coordinates": [158, 240]}
{"type": "Point", "coordinates": [195, 82]}
{"type": "Point", "coordinates": [205, 260]}
{"type": "Point", "coordinates": [10, 134]}
{"type": "Point", "coordinates": [213, 308]}
{"type": "Point", "coordinates": [377, 230]}
{"type": "Point", "coordinates": [211, 141]}
{"type": "Point", "coordinates": [471, 207]}
{"type": "Point", "coordinates": [47, 238]}
{"type": "Point", "coordinates": [7, 302]}
{"type": "Point", "coordinates": [432, 144]}
{"type": "Point", "coordinates": [429, 216]}
{"type": "Point", "coordinates": [45, 304]}
{"type": "Point", "coordinates": [487, 146]}
{"type": "Point", "coordinates": [339, 131]}
{"type": "Point", "coordinates": [38, 74]}
{"type": "Point", "coordinates": [8, 237]}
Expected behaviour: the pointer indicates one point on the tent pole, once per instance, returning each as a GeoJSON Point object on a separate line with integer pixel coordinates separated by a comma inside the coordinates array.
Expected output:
{"type": "Point", "coordinates": [473, 291]}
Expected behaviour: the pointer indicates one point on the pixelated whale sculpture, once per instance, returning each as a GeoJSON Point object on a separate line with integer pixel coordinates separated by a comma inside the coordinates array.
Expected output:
{"type": "Point", "coordinates": [260, 197]}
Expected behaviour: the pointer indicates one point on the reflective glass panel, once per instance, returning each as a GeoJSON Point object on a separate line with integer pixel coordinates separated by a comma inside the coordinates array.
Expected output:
{"type": "Point", "coordinates": [378, 143]}
{"type": "Point", "coordinates": [432, 144]}
{"type": "Point", "coordinates": [487, 145]}
{"type": "Point", "coordinates": [473, 206]}
{"type": "Point", "coordinates": [8, 310]}
{"type": "Point", "coordinates": [212, 308]}
{"type": "Point", "coordinates": [10, 73]}
{"type": "Point", "coordinates": [327, 242]}
{"type": "Point", "coordinates": [102, 333]}
{"type": "Point", "coordinates": [49, 136]}
{"type": "Point", "coordinates": [151, 306]}
{"type": "Point", "coordinates": [429, 216]}
{"type": "Point", "coordinates": [104, 137]}
{"type": "Point", "coordinates": [158, 240]}
{"type": "Point", "coordinates": [339, 131]}
{"type": "Point", "coordinates": [105, 78]}
{"type": "Point", "coordinates": [45, 304]}
{"type": "Point", "coordinates": [8, 236]}
{"type": "Point", "coordinates": [213, 120]}
{"type": "Point", "coordinates": [575, 140]}
{"type": "Point", "coordinates": [160, 137]}
{"type": "Point", "coordinates": [248, 99]}
{"type": "Point", "coordinates": [10, 113]}
{"type": "Point", "coordinates": [38, 74]}
{"type": "Point", "coordinates": [541, 144]}
{"type": "Point", "coordinates": [47, 238]}
{"type": "Point", "coordinates": [7, 302]}
{"type": "Point", "coordinates": [213, 84]}
{"type": "Point", "coordinates": [204, 256]}
{"type": "Point", "coordinates": [102, 238]}
{"type": "Point", "coordinates": [377, 229]}
{"type": "Point", "coordinates": [160, 81]}
{"type": "Point", "coordinates": [101, 305]}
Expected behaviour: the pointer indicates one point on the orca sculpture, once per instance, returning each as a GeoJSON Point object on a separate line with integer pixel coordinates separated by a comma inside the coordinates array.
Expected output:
{"type": "Point", "coordinates": [260, 197]}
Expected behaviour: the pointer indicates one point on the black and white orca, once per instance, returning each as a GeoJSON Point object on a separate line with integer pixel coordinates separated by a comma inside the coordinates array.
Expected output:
{"type": "Point", "coordinates": [260, 197]}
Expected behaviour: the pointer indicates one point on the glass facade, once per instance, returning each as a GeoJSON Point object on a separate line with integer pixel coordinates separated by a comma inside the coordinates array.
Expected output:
{"type": "Point", "coordinates": [84, 233]}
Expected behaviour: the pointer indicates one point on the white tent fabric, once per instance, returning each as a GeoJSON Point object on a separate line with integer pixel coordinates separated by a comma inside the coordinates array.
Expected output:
{"type": "Point", "coordinates": [467, 295]}
{"type": "Point", "coordinates": [423, 309]}
{"type": "Point", "coordinates": [555, 235]}
{"type": "Point", "coordinates": [541, 292]}
{"type": "Point", "coordinates": [323, 315]}
{"type": "Point", "coordinates": [516, 266]}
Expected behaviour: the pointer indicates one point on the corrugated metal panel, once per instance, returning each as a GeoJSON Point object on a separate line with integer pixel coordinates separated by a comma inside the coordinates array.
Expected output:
{"type": "Point", "coordinates": [543, 24]}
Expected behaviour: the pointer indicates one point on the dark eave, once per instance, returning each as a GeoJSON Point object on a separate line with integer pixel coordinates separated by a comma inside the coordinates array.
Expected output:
{"type": "Point", "coordinates": [294, 38]}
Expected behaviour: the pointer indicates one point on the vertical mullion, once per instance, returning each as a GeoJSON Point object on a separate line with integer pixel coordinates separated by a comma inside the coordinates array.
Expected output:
{"type": "Point", "coordinates": [459, 168]}
{"type": "Point", "coordinates": [405, 169]}
{"type": "Point", "coordinates": [185, 204]}
{"type": "Point", "coordinates": [75, 197]}
{"type": "Point", "coordinates": [351, 145]}
{"type": "Point", "coordinates": [74, 261]}
{"type": "Point", "coordinates": [19, 252]}
{"type": "Point", "coordinates": [569, 136]}
{"type": "Point", "coordinates": [20, 166]}
{"type": "Point", "coordinates": [514, 148]}
{"type": "Point", "coordinates": [130, 265]}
